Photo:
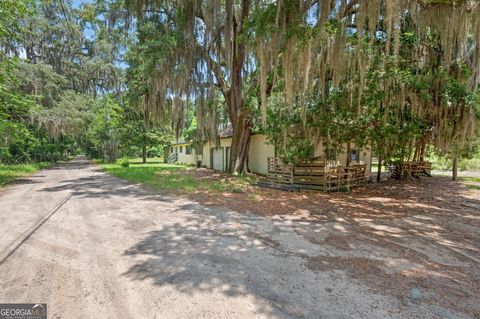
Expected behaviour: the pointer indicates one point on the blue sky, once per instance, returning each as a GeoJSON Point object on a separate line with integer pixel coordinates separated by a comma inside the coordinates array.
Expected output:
{"type": "Point", "coordinates": [77, 3]}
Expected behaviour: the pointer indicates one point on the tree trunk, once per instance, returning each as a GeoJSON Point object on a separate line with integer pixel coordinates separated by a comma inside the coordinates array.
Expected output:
{"type": "Point", "coordinates": [454, 167]}
{"type": "Point", "coordinates": [422, 150]}
{"type": "Point", "coordinates": [415, 155]}
{"type": "Point", "coordinates": [144, 153]}
{"type": "Point", "coordinates": [348, 153]}
{"type": "Point", "coordinates": [379, 169]}
{"type": "Point", "coordinates": [240, 147]}
{"type": "Point", "coordinates": [238, 113]}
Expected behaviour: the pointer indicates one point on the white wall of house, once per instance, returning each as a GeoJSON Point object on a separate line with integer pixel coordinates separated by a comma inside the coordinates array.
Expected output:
{"type": "Point", "coordinates": [364, 154]}
{"type": "Point", "coordinates": [224, 143]}
{"type": "Point", "coordinates": [260, 150]}
{"type": "Point", "coordinates": [258, 154]}
{"type": "Point", "coordinates": [182, 156]}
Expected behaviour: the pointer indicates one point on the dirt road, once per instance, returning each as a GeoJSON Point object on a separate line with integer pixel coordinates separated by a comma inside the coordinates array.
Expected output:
{"type": "Point", "coordinates": [93, 246]}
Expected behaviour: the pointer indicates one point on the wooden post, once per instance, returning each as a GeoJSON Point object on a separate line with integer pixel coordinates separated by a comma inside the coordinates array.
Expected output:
{"type": "Point", "coordinates": [379, 169]}
{"type": "Point", "coordinates": [348, 154]}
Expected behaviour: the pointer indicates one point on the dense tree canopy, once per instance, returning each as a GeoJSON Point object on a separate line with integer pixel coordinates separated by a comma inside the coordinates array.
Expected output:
{"type": "Point", "coordinates": [398, 76]}
{"type": "Point", "coordinates": [62, 87]}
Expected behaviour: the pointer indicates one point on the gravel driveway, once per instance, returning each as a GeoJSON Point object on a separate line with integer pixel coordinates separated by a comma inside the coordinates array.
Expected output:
{"type": "Point", "coordinates": [93, 246]}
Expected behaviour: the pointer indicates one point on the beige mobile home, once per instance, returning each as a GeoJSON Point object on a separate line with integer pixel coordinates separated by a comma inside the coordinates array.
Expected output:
{"type": "Point", "coordinates": [217, 157]}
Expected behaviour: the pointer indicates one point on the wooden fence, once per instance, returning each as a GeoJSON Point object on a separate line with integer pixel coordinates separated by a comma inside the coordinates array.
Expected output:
{"type": "Point", "coordinates": [411, 169]}
{"type": "Point", "coordinates": [317, 174]}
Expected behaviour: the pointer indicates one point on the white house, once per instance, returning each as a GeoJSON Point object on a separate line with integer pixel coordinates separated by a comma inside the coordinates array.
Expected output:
{"type": "Point", "coordinates": [180, 152]}
{"type": "Point", "coordinates": [218, 157]}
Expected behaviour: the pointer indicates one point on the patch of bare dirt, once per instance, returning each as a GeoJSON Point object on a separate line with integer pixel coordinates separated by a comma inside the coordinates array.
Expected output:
{"type": "Point", "coordinates": [431, 225]}
{"type": "Point", "coordinates": [448, 291]}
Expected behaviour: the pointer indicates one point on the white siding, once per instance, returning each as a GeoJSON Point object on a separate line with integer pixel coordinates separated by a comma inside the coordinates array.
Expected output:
{"type": "Point", "coordinates": [259, 152]}
{"type": "Point", "coordinates": [341, 155]}
{"type": "Point", "coordinates": [183, 157]}
{"type": "Point", "coordinates": [218, 158]}
{"type": "Point", "coordinates": [224, 142]}
{"type": "Point", "coordinates": [186, 158]}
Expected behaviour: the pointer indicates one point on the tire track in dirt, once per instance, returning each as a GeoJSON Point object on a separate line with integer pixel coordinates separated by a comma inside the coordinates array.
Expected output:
{"type": "Point", "coordinates": [15, 244]}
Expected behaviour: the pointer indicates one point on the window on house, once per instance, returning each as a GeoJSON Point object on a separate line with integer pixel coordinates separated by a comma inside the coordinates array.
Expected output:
{"type": "Point", "coordinates": [181, 149]}
{"type": "Point", "coordinates": [188, 149]}
{"type": "Point", "coordinates": [331, 154]}
{"type": "Point", "coordinates": [171, 149]}
{"type": "Point", "coordinates": [354, 156]}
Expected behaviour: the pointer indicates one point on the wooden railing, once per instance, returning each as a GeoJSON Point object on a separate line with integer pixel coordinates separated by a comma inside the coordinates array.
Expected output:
{"type": "Point", "coordinates": [278, 172]}
{"type": "Point", "coordinates": [346, 177]}
{"type": "Point", "coordinates": [172, 158]}
{"type": "Point", "coordinates": [318, 174]}
{"type": "Point", "coordinates": [411, 169]}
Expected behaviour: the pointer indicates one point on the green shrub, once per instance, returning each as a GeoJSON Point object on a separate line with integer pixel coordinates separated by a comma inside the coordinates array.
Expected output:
{"type": "Point", "coordinates": [469, 164]}
{"type": "Point", "coordinates": [464, 164]}
{"type": "Point", "coordinates": [123, 162]}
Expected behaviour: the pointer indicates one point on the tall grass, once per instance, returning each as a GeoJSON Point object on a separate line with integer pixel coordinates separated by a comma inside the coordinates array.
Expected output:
{"type": "Point", "coordinates": [8, 173]}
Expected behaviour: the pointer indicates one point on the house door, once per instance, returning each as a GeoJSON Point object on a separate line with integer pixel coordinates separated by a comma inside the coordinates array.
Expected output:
{"type": "Point", "coordinates": [217, 158]}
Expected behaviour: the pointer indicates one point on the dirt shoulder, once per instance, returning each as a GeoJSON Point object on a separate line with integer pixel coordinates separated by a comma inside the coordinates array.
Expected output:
{"type": "Point", "coordinates": [431, 225]}
{"type": "Point", "coordinates": [114, 249]}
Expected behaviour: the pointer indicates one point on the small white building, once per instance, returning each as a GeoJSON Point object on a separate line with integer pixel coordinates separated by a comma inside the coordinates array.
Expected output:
{"type": "Point", "coordinates": [180, 152]}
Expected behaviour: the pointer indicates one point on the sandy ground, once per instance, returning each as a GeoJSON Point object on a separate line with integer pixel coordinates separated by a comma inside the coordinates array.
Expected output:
{"type": "Point", "coordinates": [93, 246]}
{"type": "Point", "coordinates": [460, 173]}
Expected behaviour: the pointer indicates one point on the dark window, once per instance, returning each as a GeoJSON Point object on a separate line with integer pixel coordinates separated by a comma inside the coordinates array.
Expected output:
{"type": "Point", "coordinates": [171, 149]}
{"type": "Point", "coordinates": [331, 154]}
{"type": "Point", "coordinates": [188, 149]}
{"type": "Point", "coordinates": [354, 155]}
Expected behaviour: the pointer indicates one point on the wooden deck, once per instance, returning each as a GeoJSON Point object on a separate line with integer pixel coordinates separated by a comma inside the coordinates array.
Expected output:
{"type": "Point", "coordinates": [317, 174]}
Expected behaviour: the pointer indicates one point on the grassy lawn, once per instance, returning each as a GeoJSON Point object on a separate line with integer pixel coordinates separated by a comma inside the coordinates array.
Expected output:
{"type": "Point", "coordinates": [150, 160]}
{"type": "Point", "coordinates": [474, 187]}
{"type": "Point", "coordinates": [8, 173]}
{"type": "Point", "coordinates": [471, 182]}
{"type": "Point", "coordinates": [470, 179]}
{"type": "Point", "coordinates": [160, 175]}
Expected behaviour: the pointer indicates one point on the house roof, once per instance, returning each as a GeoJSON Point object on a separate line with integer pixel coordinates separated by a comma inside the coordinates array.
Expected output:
{"type": "Point", "coordinates": [225, 131]}
{"type": "Point", "coordinates": [180, 141]}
